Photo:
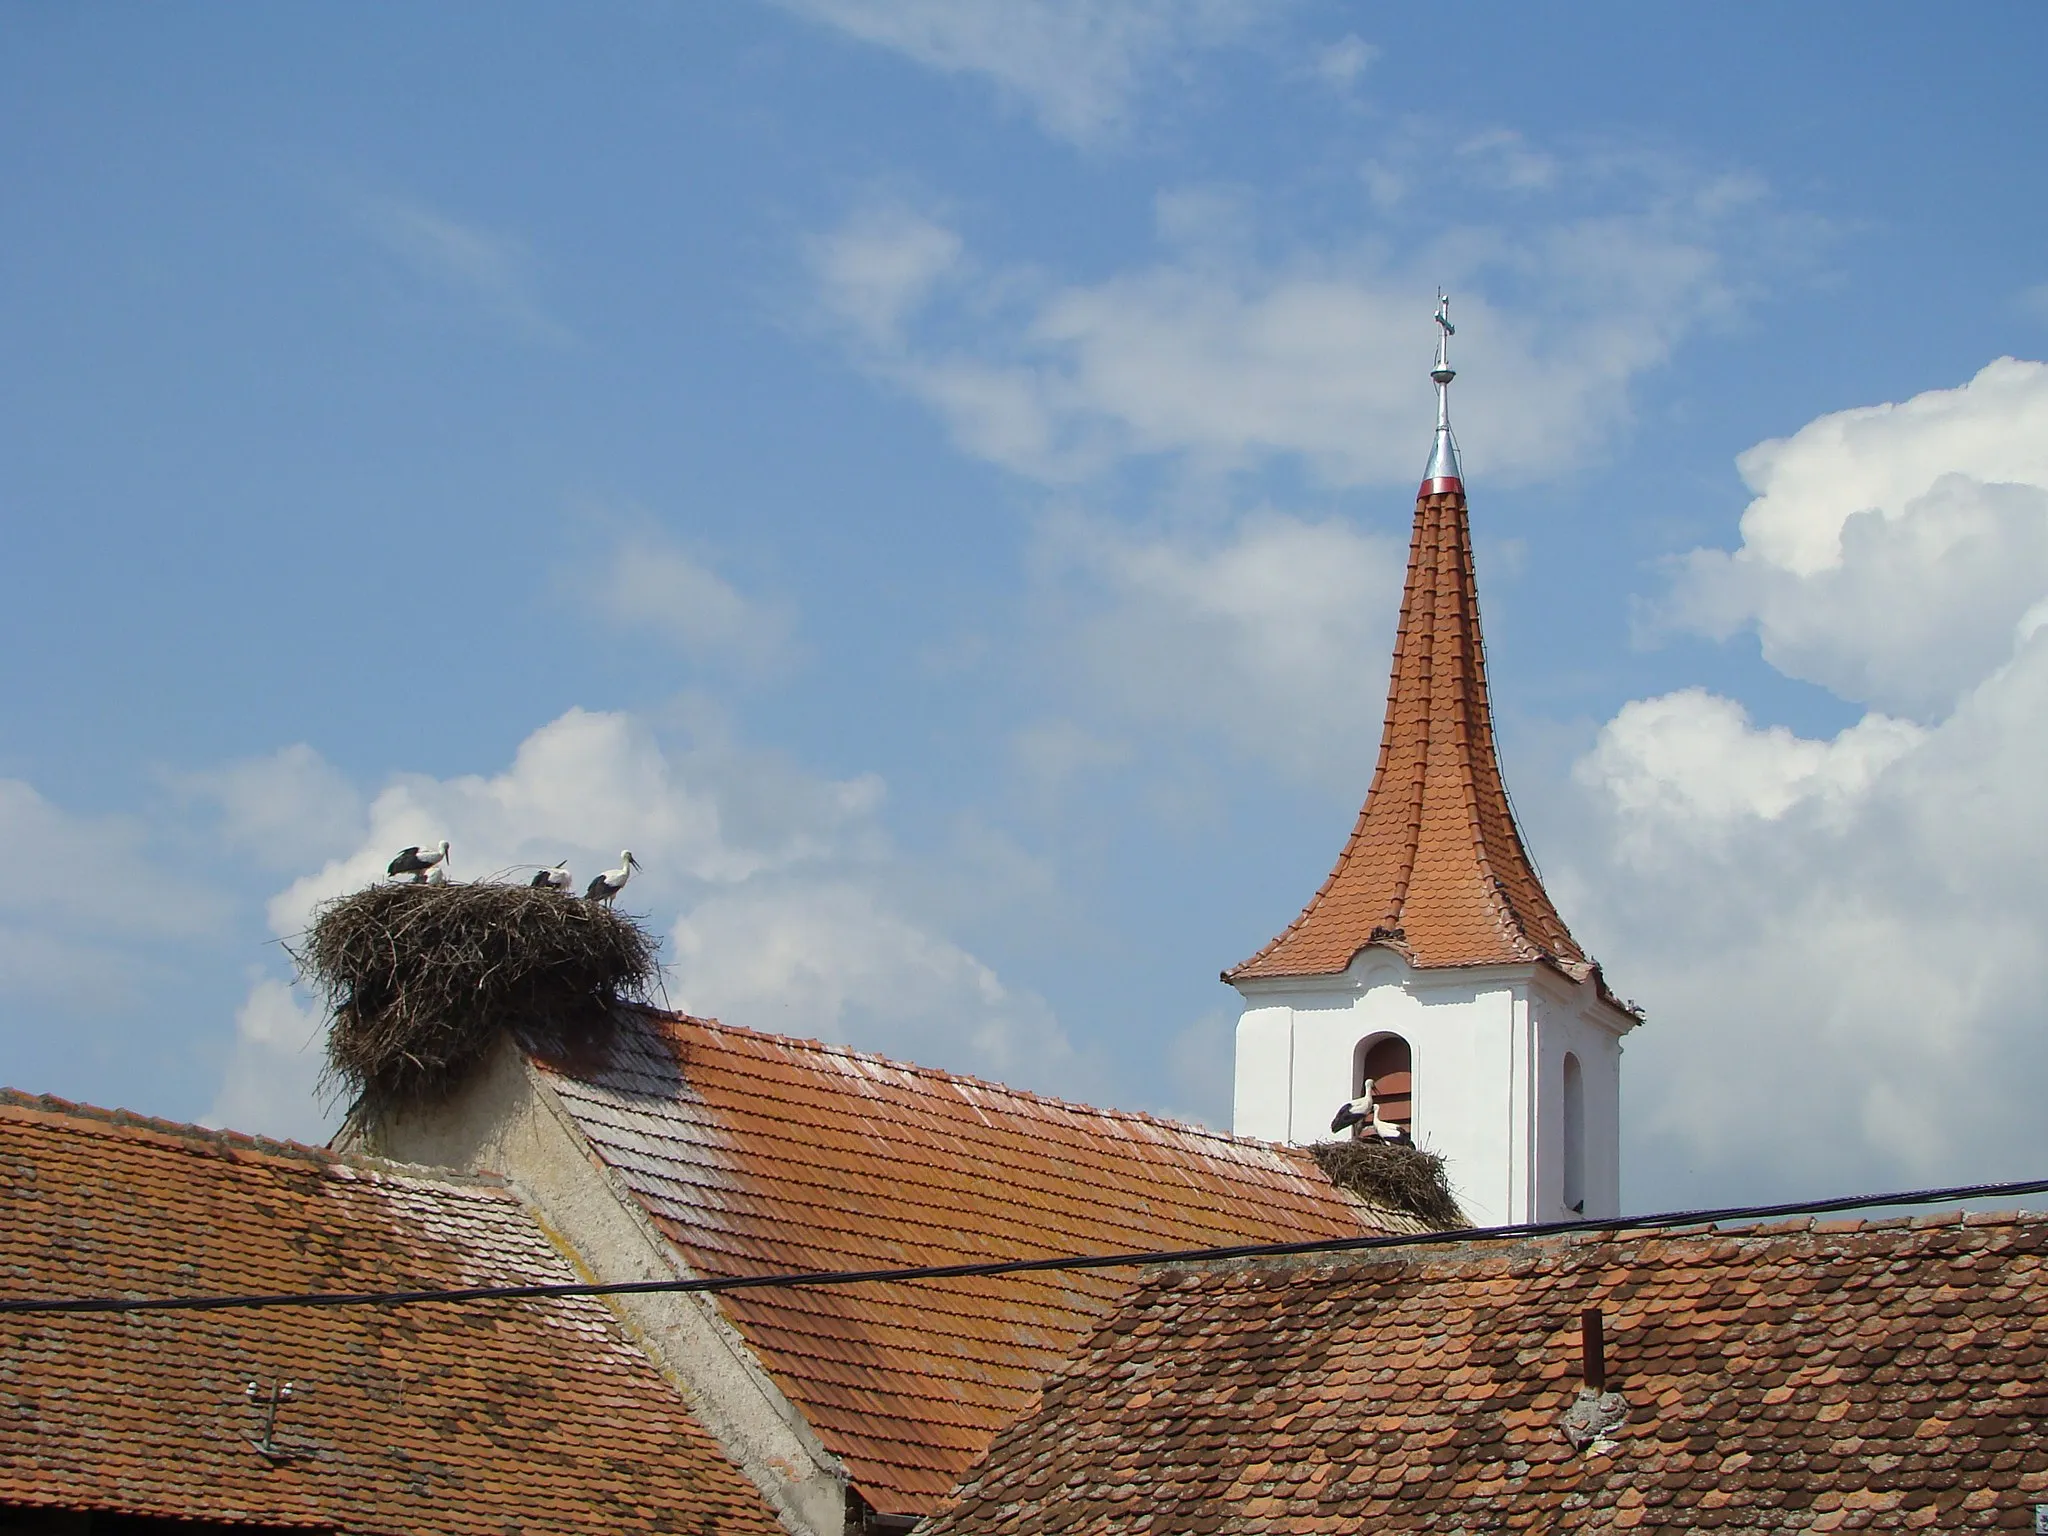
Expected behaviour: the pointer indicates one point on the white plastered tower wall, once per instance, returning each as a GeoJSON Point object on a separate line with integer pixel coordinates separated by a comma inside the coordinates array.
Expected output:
{"type": "Point", "coordinates": [1488, 1048]}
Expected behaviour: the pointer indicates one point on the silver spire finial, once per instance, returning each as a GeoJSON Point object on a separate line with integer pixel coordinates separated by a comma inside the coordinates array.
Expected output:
{"type": "Point", "coordinates": [1444, 472]}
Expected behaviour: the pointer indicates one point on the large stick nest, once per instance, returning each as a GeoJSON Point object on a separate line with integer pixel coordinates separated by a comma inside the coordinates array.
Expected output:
{"type": "Point", "coordinates": [421, 979]}
{"type": "Point", "coordinates": [1395, 1175]}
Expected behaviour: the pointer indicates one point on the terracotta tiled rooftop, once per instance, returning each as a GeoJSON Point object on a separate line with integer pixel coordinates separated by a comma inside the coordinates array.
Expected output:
{"type": "Point", "coordinates": [524, 1416]}
{"type": "Point", "coordinates": [1435, 866]}
{"type": "Point", "coordinates": [757, 1153]}
{"type": "Point", "coordinates": [1832, 1376]}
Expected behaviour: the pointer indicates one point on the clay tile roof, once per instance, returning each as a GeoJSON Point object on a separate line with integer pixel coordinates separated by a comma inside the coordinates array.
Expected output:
{"type": "Point", "coordinates": [525, 1416]}
{"type": "Point", "coordinates": [1435, 866]}
{"type": "Point", "coordinates": [1884, 1376]}
{"type": "Point", "coordinates": [757, 1153]}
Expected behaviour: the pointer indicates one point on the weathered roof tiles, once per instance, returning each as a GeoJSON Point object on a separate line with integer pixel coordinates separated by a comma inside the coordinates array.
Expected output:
{"type": "Point", "coordinates": [757, 1153]}
{"type": "Point", "coordinates": [1808, 1377]}
{"type": "Point", "coordinates": [535, 1416]}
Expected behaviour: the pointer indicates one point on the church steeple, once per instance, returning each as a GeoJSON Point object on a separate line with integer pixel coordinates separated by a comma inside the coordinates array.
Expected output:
{"type": "Point", "coordinates": [1431, 976]}
{"type": "Point", "coordinates": [1435, 867]}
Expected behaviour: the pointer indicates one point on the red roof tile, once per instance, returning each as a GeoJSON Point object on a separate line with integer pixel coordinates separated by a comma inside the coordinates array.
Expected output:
{"type": "Point", "coordinates": [757, 1153]}
{"type": "Point", "coordinates": [520, 1416]}
{"type": "Point", "coordinates": [1880, 1376]}
{"type": "Point", "coordinates": [1435, 866]}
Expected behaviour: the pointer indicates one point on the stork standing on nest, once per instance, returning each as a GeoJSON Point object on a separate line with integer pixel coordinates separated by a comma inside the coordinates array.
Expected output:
{"type": "Point", "coordinates": [411, 861]}
{"type": "Point", "coordinates": [606, 887]}
{"type": "Point", "coordinates": [1365, 1109]}
{"type": "Point", "coordinates": [556, 879]}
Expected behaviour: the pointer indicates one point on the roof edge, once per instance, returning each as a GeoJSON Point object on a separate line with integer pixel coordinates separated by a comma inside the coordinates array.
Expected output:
{"type": "Point", "coordinates": [1578, 973]}
{"type": "Point", "coordinates": [959, 1079]}
{"type": "Point", "coordinates": [16, 1101]}
{"type": "Point", "coordinates": [47, 1108]}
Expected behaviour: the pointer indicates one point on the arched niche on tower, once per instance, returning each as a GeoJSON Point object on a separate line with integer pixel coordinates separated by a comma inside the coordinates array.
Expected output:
{"type": "Point", "coordinates": [1387, 1060]}
{"type": "Point", "coordinates": [1573, 1104]}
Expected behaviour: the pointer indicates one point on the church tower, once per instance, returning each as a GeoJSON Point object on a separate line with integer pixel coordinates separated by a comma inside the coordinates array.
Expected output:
{"type": "Point", "coordinates": [1432, 964]}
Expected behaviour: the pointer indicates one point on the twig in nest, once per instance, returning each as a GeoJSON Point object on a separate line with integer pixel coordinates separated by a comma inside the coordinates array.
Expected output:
{"type": "Point", "coordinates": [1393, 1174]}
{"type": "Point", "coordinates": [421, 979]}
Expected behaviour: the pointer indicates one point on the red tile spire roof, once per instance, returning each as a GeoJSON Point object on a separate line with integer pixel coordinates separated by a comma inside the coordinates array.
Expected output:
{"type": "Point", "coordinates": [1435, 867]}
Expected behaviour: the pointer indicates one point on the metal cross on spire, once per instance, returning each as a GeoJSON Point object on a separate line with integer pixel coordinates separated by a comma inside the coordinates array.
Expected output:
{"type": "Point", "coordinates": [1444, 472]}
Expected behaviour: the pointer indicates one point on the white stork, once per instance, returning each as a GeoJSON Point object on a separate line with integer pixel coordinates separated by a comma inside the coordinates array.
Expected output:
{"type": "Point", "coordinates": [556, 879]}
{"type": "Point", "coordinates": [411, 861]}
{"type": "Point", "coordinates": [1365, 1109]}
{"type": "Point", "coordinates": [606, 887]}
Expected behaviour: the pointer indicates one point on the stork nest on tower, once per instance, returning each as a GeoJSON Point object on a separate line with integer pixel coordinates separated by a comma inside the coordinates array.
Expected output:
{"type": "Point", "coordinates": [1393, 1174]}
{"type": "Point", "coordinates": [421, 980]}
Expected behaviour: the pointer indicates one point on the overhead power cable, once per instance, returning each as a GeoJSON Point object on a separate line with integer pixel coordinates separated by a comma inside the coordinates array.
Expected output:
{"type": "Point", "coordinates": [1139, 1259]}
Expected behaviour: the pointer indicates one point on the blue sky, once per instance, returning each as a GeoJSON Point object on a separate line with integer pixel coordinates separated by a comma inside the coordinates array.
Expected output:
{"type": "Point", "coordinates": [932, 478]}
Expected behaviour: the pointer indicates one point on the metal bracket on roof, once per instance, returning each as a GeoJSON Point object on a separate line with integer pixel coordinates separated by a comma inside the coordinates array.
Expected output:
{"type": "Point", "coordinates": [267, 1404]}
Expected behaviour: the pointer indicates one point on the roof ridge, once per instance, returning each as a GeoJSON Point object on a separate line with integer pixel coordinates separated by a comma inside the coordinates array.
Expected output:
{"type": "Point", "coordinates": [52, 1106]}
{"type": "Point", "coordinates": [1758, 1233]}
{"type": "Point", "coordinates": [19, 1104]}
{"type": "Point", "coordinates": [1073, 1106]}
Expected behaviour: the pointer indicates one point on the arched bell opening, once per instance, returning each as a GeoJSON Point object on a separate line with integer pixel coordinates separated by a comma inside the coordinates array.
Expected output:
{"type": "Point", "coordinates": [1384, 1066]}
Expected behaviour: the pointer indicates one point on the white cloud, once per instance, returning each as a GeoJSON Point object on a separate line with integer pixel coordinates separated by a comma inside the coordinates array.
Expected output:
{"type": "Point", "coordinates": [1341, 63]}
{"type": "Point", "coordinates": [284, 810]}
{"type": "Point", "coordinates": [1199, 1072]}
{"type": "Point", "coordinates": [644, 582]}
{"type": "Point", "coordinates": [1053, 754]}
{"type": "Point", "coordinates": [273, 1086]}
{"type": "Point", "coordinates": [1228, 359]}
{"type": "Point", "coordinates": [94, 875]}
{"type": "Point", "coordinates": [1076, 65]}
{"type": "Point", "coordinates": [42, 965]}
{"type": "Point", "coordinates": [1841, 955]}
{"type": "Point", "coordinates": [788, 907]}
{"type": "Point", "coordinates": [1274, 635]}
{"type": "Point", "coordinates": [495, 271]}
{"type": "Point", "coordinates": [1890, 550]}
{"type": "Point", "coordinates": [588, 784]}
{"type": "Point", "coordinates": [820, 957]}
{"type": "Point", "coordinates": [1841, 941]}
{"type": "Point", "coordinates": [1691, 765]}
{"type": "Point", "coordinates": [1506, 161]}
{"type": "Point", "coordinates": [94, 915]}
{"type": "Point", "coordinates": [882, 264]}
{"type": "Point", "coordinates": [1808, 485]}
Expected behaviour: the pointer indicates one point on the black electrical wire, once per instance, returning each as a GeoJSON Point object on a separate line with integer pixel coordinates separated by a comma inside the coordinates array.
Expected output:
{"type": "Point", "coordinates": [1141, 1259]}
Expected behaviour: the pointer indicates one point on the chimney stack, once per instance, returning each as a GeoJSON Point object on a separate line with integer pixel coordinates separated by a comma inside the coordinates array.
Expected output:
{"type": "Point", "coordinates": [1592, 1350]}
